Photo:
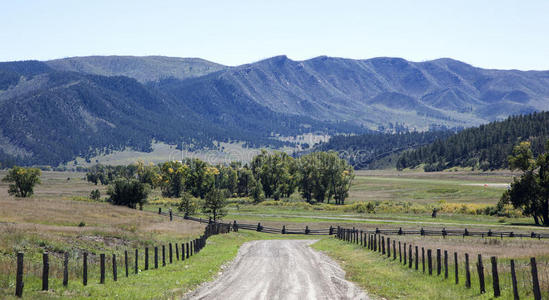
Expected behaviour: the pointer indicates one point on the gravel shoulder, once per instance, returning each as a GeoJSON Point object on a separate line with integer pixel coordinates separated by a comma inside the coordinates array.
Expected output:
{"type": "Point", "coordinates": [280, 269]}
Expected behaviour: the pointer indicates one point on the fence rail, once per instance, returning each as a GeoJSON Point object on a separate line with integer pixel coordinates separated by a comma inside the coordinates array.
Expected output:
{"type": "Point", "coordinates": [330, 231]}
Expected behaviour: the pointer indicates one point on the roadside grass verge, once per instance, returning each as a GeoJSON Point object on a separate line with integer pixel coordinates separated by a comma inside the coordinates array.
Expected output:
{"type": "Point", "coordinates": [382, 277]}
{"type": "Point", "coordinates": [169, 282]}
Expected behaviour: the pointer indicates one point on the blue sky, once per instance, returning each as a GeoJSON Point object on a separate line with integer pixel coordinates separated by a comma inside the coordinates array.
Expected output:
{"type": "Point", "coordinates": [492, 34]}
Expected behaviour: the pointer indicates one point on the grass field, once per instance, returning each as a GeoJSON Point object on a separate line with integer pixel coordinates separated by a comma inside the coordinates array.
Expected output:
{"type": "Point", "coordinates": [388, 279]}
{"type": "Point", "coordinates": [400, 199]}
{"type": "Point", "coordinates": [60, 217]}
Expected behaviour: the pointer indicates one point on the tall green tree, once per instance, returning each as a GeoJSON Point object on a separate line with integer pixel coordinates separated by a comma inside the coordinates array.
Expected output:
{"type": "Point", "coordinates": [214, 204]}
{"type": "Point", "coordinates": [201, 177]}
{"type": "Point", "coordinates": [188, 204]}
{"type": "Point", "coordinates": [173, 176]}
{"type": "Point", "coordinates": [530, 192]}
{"type": "Point", "coordinates": [22, 181]}
{"type": "Point", "coordinates": [274, 170]}
{"type": "Point", "coordinates": [245, 182]}
{"type": "Point", "coordinates": [323, 175]}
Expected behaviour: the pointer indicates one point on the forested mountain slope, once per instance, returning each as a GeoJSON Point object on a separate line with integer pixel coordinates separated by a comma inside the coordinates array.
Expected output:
{"type": "Point", "coordinates": [485, 147]}
{"type": "Point", "coordinates": [51, 112]}
{"type": "Point", "coordinates": [379, 91]}
{"type": "Point", "coordinates": [51, 117]}
{"type": "Point", "coordinates": [363, 150]}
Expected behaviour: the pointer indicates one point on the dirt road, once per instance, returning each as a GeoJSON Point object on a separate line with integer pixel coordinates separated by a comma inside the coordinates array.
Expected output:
{"type": "Point", "coordinates": [280, 269]}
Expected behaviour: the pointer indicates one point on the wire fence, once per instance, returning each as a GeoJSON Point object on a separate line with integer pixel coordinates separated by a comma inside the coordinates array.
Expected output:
{"type": "Point", "coordinates": [512, 278]}
{"type": "Point", "coordinates": [56, 269]}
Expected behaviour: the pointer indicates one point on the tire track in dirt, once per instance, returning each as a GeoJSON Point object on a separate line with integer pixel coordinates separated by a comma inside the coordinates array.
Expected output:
{"type": "Point", "coordinates": [280, 269]}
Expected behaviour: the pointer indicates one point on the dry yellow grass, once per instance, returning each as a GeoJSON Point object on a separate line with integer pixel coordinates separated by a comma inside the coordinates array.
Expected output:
{"type": "Point", "coordinates": [52, 215]}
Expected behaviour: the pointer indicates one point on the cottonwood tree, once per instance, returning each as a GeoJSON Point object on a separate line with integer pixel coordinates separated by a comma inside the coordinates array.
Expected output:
{"type": "Point", "coordinates": [276, 172]}
{"type": "Point", "coordinates": [323, 175]}
{"type": "Point", "coordinates": [172, 179]}
{"type": "Point", "coordinates": [530, 192]}
{"type": "Point", "coordinates": [22, 181]}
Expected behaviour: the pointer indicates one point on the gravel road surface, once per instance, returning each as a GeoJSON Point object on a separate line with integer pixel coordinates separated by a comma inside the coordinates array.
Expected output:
{"type": "Point", "coordinates": [280, 269]}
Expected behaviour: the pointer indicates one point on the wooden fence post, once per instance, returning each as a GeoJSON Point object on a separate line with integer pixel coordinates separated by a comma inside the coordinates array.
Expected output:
{"type": "Point", "coordinates": [126, 263]}
{"type": "Point", "coordinates": [146, 258]}
{"type": "Point", "coordinates": [379, 243]}
{"type": "Point", "coordinates": [171, 215]}
{"type": "Point", "coordinates": [102, 268]}
{"type": "Point", "coordinates": [399, 252]}
{"type": "Point", "coordinates": [307, 231]}
{"type": "Point", "coordinates": [163, 255]}
{"type": "Point", "coordinates": [361, 234]}
{"type": "Point", "coordinates": [383, 245]}
{"type": "Point", "coordinates": [417, 258]}
{"type": "Point", "coordinates": [170, 252]}
{"type": "Point", "coordinates": [535, 281]}
{"type": "Point", "coordinates": [439, 265]}
{"type": "Point", "coordinates": [394, 250]}
{"type": "Point", "coordinates": [85, 269]}
{"type": "Point", "coordinates": [495, 277]}
{"type": "Point", "coordinates": [514, 281]}
{"type": "Point", "coordinates": [445, 264]}
{"type": "Point", "coordinates": [409, 256]}
{"type": "Point", "coordinates": [429, 262]}
{"type": "Point", "coordinates": [405, 258]}
{"type": "Point", "coordinates": [66, 269]}
{"type": "Point", "coordinates": [423, 259]}
{"type": "Point", "coordinates": [176, 251]}
{"type": "Point", "coordinates": [188, 250]}
{"type": "Point", "coordinates": [480, 268]}
{"type": "Point", "coordinates": [456, 267]}
{"type": "Point", "coordinates": [467, 272]}
{"type": "Point", "coordinates": [136, 261]}
{"type": "Point", "coordinates": [156, 257]}
{"type": "Point", "coordinates": [388, 247]}
{"type": "Point", "coordinates": [19, 276]}
{"type": "Point", "coordinates": [45, 270]}
{"type": "Point", "coordinates": [114, 269]}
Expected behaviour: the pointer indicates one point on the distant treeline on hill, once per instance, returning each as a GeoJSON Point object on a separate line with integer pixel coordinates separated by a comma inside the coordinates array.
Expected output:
{"type": "Point", "coordinates": [485, 147]}
{"type": "Point", "coordinates": [361, 151]}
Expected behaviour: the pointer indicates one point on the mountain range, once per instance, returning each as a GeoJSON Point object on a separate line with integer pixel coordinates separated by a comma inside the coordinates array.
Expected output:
{"type": "Point", "coordinates": [54, 111]}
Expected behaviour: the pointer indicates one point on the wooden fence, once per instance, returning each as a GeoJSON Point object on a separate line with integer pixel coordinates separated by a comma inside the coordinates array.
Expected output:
{"type": "Point", "coordinates": [95, 265]}
{"type": "Point", "coordinates": [331, 230]}
{"type": "Point", "coordinates": [526, 279]}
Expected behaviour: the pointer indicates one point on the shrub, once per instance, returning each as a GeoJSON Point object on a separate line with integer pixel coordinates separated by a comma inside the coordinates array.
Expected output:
{"type": "Point", "coordinates": [128, 192]}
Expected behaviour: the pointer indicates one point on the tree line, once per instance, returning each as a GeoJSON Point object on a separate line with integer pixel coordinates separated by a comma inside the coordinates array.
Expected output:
{"type": "Point", "coordinates": [318, 177]}
{"type": "Point", "coordinates": [485, 147]}
{"type": "Point", "coordinates": [362, 151]}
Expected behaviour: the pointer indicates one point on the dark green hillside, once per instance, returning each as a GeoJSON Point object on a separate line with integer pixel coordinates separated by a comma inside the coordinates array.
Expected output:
{"type": "Point", "coordinates": [485, 147]}
{"type": "Point", "coordinates": [49, 117]}
{"type": "Point", "coordinates": [363, 150]}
